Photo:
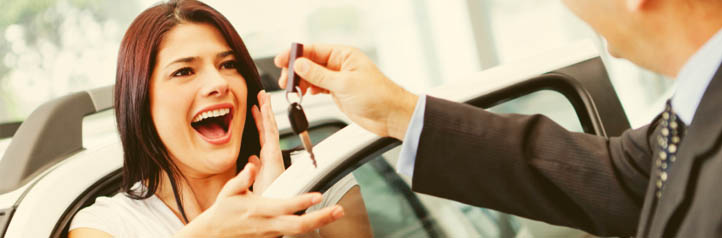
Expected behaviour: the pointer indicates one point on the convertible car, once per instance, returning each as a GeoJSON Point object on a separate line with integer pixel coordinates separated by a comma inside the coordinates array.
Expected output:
{"type": "Point", "coordinates": [67, 152]}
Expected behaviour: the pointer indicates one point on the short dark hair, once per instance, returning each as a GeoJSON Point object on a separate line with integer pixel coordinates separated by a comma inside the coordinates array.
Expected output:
{"type": "Point", "coordinates": [145, 156]}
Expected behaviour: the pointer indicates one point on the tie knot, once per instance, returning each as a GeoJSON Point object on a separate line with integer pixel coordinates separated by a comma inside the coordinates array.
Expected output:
{"type": "Point", "coordinates": [671, 122]}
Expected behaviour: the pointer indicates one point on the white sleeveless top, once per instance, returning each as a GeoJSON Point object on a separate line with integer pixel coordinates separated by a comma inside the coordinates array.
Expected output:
{"type": "Point", "coordinates": [121, 216]}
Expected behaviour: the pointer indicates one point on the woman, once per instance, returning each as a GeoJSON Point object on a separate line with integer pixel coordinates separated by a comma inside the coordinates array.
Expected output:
{"type": "Point", "coordinates": [187, 97]}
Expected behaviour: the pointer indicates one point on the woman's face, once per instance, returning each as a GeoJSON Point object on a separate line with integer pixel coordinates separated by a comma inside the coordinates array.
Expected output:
{"type": "Point", "coordinates": [198, 99]}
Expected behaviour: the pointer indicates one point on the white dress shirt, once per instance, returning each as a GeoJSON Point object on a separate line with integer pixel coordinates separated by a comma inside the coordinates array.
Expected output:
{"type": "Point", "coordinates": [692, 82]}
{"type": "Point", "coordinates": [694, 77]}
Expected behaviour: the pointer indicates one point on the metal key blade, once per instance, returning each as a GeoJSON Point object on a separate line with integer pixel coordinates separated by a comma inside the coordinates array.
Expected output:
{"type": "Point", "coordinates": [306, 141]}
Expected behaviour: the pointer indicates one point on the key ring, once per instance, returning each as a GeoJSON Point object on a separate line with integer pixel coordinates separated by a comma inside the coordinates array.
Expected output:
{"type": "Point", "coordinates": [298, 93]}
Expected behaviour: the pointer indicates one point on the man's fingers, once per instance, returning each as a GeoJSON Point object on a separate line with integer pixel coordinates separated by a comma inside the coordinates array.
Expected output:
{"type": "Point", "coordinates": [281, 59]}
{"type": "Point", "coordinates": [318, 75]}
{"type": "Point", "coordinates": [284, 78]}
{"type": "Point", "coordinates": [316, 90]}
{"type": "Point", "coordinates": [305, 86]}
{"type": "Point", "coordinates": [319, 53]}
{"type": "Point", "coordinates": [241, 182]}
{"type": "Point", "coordinates": [292, 225]}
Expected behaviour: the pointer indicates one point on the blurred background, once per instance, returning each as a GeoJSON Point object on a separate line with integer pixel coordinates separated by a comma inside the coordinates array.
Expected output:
{"type": "Point", "coordinates": [49, 48]}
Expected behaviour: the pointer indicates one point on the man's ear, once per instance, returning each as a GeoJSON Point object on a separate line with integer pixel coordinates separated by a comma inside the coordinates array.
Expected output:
{"type": "Point", "coordinates": [635, 5]}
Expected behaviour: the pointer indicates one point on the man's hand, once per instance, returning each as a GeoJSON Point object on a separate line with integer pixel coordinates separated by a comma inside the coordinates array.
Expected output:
{"type": "Point", "coordinates": [357, 86]}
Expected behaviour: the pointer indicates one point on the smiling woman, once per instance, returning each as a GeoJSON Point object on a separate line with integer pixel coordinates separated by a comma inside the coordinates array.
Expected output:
{"type": "Point", "coordinates": [187, 99]}
{"type": "Point", "coordinates": [195, 77]}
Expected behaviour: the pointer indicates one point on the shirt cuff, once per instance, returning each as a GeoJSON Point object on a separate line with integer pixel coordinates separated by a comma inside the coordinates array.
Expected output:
{"type": "Point", "coordinates": [407, 157]}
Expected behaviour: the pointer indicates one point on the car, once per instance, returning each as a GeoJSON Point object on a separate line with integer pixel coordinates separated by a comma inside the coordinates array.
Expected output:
{"type": "Point", "coordinates": [68, 152]}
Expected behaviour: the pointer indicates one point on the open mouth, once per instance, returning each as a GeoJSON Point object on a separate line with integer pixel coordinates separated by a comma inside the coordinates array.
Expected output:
{"type": "Point", "coordinates": [213, 124]}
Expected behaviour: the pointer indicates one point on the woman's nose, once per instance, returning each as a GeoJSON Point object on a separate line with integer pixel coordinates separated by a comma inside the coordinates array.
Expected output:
{"type": "Point", "coordinates": [215, 85]}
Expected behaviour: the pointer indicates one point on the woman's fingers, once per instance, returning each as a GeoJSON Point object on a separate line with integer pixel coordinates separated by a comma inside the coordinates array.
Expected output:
{"type": "Point", "coordinates": [253, 159]}
{"type": "Point", "coordinates": [269, 124]}
{"type": "Point", "coordinates": [259, 123]}
{"type": "Point", "coordinates": [291, 224]}
{"type": "Point", "coordinates": [290, 205]}
{"type": "Point", "coordinates": [267, 128]}
{"type": "Point", "coordinates": [241, 182]}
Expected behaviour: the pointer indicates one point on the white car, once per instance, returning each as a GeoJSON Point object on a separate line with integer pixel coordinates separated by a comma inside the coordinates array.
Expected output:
{"type": "Point", "coordinates": [67, 152]}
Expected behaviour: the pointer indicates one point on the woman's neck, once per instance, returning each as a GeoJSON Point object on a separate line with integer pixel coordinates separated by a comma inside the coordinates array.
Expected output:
{"type": "Point", "coordinates": [197, 193]}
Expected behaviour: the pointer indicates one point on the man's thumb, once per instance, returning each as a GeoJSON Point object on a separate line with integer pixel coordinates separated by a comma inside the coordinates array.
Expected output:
{"type": "Point", "coordinates": [316, 74]}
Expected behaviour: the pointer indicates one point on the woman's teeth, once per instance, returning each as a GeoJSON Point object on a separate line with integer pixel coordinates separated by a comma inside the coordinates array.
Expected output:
{"type": "Point", "coordinates": [213, 113]}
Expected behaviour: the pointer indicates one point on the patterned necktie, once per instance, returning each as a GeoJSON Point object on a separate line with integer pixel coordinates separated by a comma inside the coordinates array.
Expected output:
{"type": "Point", "coordinates": [669, 138]}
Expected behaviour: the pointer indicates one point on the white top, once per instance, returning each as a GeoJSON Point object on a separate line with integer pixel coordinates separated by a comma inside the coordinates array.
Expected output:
{"type": "Point", "coordinates": [121, 216]}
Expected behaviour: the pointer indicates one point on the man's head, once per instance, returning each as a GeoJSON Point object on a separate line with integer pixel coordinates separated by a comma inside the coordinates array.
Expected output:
{"type": "Point", "coordinates": [659, 35]}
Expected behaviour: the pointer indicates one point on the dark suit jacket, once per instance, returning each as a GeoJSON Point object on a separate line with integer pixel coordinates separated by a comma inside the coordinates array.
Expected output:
{"type": "Point", "coordinates": [532, 167]}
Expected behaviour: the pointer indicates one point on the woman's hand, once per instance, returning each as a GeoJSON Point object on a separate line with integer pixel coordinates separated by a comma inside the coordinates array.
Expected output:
{"type": "Point", "coordinates": [271, 161]}
{"type": "Point", "coordinates": [239, 212]}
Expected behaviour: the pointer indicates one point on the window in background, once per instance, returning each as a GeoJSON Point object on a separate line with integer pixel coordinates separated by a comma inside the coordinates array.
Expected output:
{"type": "Point", "coordinates": [522, 28]}
{"type": "Point", "coordinates": [50, 48]}
{"type": "Point", "coordinates": [53, 47]}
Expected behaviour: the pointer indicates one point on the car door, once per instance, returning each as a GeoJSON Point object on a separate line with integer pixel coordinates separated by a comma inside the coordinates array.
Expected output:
{"type": "Point", "coordinates": [566, 86]}
{"type": "Point", "coordinates": [572, 88]}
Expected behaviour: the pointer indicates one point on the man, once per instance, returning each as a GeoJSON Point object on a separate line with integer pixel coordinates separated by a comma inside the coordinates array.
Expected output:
{"type": "Point", "coordinates": [656, 181]}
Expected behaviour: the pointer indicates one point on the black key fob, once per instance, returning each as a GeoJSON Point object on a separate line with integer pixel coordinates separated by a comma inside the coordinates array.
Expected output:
{"type": "Point", "coordinates": [297, 117]}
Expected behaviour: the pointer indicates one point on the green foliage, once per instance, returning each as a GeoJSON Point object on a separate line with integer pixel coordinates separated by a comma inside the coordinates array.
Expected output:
{"type": "Point", "coordinates": [17, 11]}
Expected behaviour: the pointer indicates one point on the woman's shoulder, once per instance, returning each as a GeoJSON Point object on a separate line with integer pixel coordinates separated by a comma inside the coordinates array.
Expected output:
{"type": "Point", "coordinates": [122, 216]}
{"type": "Point", "coordinates": [119, 204]}
{"type": "Point", "coordinates": [107, 214]}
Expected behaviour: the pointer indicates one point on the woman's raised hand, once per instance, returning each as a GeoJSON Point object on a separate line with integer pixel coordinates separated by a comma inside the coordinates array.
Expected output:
{"type": "Point", "coordinates": [271, 161]}
{"type": "Point", "coordinates": [239, 212]}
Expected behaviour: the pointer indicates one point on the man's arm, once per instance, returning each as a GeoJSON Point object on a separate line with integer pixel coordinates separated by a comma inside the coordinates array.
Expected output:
{"type": "Point", "coordinates": [532, 167]}
{"type": "Point", "coordinates": [525, 165]}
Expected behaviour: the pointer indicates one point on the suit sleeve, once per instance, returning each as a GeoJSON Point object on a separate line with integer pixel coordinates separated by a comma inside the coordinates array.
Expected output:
{"type": "Point", "coordinates": [532, 167]}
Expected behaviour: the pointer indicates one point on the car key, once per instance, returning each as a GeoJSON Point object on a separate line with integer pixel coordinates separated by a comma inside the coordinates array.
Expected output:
{"type": "Point", "coordinates": [296, 116]}
{"type": "Point", "coordinates": [299, 124]}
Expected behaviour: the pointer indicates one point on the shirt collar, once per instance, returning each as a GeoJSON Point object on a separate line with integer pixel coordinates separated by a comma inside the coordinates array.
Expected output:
{"type": "Point", "coordinates": [694, 77]}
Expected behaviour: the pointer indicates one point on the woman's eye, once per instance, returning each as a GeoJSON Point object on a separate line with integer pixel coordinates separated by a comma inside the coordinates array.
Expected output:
{"type": "Point", "coordinates": [228, 65]}
{"type": "Point", "coordinates": [182, 72]}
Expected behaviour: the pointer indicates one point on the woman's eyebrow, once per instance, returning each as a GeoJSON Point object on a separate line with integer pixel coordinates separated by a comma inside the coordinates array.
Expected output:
{"type": "Point", "coordinates": [182, 60]}
{"type": "Point", "coordinates": [224, 54]}
{"type": "Point", "coordinates": [193, 58]}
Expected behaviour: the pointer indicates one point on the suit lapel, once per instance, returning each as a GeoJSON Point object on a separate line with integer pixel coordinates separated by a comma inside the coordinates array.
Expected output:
{"type": "Point", "coordinates": [648, 206]}
{"type": "Point", "coordinates": [700, 138]}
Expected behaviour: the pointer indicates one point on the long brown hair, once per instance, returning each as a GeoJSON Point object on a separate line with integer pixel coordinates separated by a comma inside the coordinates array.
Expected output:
{"type": "Point", "coordinates": [145, 155]}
